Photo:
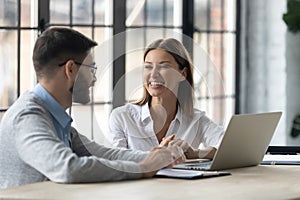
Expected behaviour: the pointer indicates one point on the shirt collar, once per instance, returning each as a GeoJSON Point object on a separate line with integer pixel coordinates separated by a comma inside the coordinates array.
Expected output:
{"type": "Point", "coordinates": [146, 113]}
{"type": "Point", "coordinates": [52, 106]}
{"type": "Point", "coordinates": [179, 115]}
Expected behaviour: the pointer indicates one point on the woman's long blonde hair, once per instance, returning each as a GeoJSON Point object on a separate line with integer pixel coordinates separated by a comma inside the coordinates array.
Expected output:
{"type": "Point", "coordinates": [185, 94]}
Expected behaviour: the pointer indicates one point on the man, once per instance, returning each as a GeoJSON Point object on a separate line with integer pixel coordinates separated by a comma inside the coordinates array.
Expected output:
{"type": "Point", "coordinates": [37, 141]}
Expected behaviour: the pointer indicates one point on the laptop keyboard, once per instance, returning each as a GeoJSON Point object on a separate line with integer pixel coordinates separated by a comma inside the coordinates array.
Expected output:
{"type": "Point", "coordinates": [194, 166]}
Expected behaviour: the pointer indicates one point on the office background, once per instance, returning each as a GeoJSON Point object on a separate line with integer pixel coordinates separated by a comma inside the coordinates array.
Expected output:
{"type": "Point", "coordinates": [242, 51]}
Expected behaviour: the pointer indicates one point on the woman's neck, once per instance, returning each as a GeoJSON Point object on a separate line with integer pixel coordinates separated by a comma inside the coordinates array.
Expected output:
{"type": "Point", "coordinates": [163, 107]}
{"type": "Point", "coordinates": [163, 113]}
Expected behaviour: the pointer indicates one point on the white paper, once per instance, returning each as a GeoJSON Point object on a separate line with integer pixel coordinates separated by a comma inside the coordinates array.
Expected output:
{"type": "Point", "coordinates": [177, 173]}
{"type": "Point", "coordinates": [290, 158]}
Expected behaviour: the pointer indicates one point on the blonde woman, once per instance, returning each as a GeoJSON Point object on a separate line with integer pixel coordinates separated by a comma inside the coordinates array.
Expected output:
{"type": "Point", "coordinates": [165, 115]}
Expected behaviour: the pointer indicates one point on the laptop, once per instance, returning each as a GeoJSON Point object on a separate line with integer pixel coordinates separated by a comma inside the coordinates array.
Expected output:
{"type": "Point", "coordinates": [244, 143]}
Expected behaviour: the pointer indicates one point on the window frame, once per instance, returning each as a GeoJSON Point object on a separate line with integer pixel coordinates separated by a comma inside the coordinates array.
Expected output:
{"type": "Point", "coordinates": [119, 26]}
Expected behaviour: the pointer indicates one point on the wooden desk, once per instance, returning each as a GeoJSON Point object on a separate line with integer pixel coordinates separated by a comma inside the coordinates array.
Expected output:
{"type": "Point", "coordinates": [261, 182]}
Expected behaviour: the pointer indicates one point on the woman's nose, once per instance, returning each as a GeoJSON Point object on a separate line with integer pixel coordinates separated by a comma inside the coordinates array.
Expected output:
{"type": "Point", "coordinates": [155, 71]}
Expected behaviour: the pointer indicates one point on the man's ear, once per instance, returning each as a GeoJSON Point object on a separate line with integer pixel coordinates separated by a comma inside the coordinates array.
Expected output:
{"type": "Point", "coordinates": [70, 70]}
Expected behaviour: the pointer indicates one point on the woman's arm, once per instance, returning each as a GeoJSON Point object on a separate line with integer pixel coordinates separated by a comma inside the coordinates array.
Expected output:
{"type": "Point", "coordinates": [116, 130]}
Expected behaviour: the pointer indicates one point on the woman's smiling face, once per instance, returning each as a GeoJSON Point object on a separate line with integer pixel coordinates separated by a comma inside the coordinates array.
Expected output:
{"type": "Point", "coordinates": [161, 73]}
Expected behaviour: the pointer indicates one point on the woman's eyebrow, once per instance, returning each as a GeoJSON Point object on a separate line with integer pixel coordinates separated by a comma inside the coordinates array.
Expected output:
{"type": "Point", "coordinates": [164, 61]}
{"type": "Point", "coordinates": [161, 62]}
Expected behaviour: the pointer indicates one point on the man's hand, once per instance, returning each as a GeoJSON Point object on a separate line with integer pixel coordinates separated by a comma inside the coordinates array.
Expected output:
{"type": "Point", "coordinates": [160, 157]}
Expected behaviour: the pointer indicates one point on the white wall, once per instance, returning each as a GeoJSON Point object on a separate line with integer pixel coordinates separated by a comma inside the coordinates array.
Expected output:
{"type": "Point", "coordinates": [293, 82]}
{"type": "Point", "coordinates": [263, 65]}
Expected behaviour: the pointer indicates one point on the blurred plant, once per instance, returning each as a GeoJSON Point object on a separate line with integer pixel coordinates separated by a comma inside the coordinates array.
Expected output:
{"type": "Point", "coordinates": [292, 17]}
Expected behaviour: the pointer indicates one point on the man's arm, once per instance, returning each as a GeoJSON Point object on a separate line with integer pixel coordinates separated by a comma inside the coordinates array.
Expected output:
{"type": "Point", "coordinates": [39, 147]}
{"type": "Point", "coordinates": [82, 146]}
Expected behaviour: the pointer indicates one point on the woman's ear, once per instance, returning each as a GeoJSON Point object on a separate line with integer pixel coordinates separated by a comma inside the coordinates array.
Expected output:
{"type": "Point", "coordinates": [183, 74]}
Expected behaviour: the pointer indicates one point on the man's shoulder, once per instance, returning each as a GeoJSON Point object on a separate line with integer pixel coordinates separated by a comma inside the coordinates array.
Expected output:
{"type": "Point", "coordinates": [27, 102]}
{"type": "Point", "coordinates": [27, 107]}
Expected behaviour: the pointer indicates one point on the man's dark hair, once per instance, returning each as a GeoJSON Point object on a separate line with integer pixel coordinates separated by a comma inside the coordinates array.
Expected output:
{"type": "Point", "coordinates": [57, 45]}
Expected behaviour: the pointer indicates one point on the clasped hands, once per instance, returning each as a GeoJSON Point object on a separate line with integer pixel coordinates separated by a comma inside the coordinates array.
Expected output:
{"type": "Point", "coordinates": [161, 157]}
{"type": "Point", "coordinates": [189, 151]}
{"type": "Point", "coordinates": [172, 151]}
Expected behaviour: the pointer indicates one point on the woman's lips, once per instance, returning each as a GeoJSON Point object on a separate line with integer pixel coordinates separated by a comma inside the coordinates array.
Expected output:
{"type": "Point", "coordinates": [156, 83]}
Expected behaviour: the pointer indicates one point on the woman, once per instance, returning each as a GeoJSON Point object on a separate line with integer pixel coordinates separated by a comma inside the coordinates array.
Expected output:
{"type": "Point", "coordinates": [166, 108]}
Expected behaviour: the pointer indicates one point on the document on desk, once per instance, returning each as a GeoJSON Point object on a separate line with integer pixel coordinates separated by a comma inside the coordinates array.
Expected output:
{"type": "Point", "coordinates": [276, 159]}
{"type": "Point", "coordinates": [188, 174]}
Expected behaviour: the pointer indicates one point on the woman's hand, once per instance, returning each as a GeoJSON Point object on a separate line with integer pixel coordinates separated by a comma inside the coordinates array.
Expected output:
{"type": "Point", "coordinates": [192, 153]}
{"type": "Point", "coordinates": [165, 141]}
{"type": "Point", "coordinates": [189, 151]}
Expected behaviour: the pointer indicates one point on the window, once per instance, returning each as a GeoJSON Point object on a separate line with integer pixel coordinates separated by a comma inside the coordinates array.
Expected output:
{"type": "Point", "coordinates": [18, 31]}
{"type": "Point", "coordinates": [215, 33]}
{"type": "Point", "coordinates": [210, 25]}
{"type": "Point", "coordinates": [212, 34]}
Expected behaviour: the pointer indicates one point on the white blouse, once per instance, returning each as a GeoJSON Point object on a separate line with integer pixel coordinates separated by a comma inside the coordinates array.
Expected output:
{"type": "Point", "coordinates": [131, 126]}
